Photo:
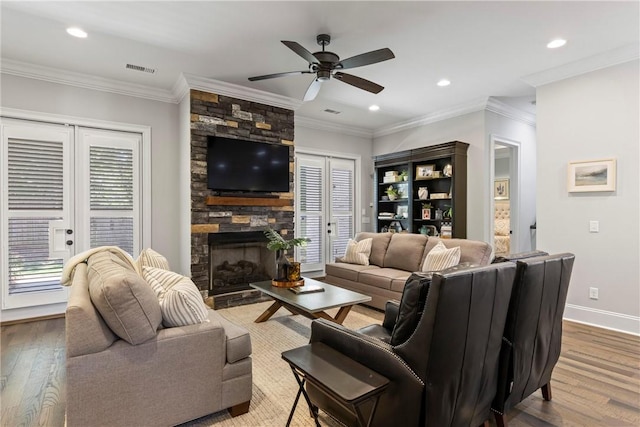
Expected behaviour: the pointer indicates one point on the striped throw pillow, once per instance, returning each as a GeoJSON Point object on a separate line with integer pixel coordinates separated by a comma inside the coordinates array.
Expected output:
{"type": "Point", "coordinates": [150, 258]}
{"type": "Point", "coordinates": [180, 300]}
{"type": "Point", "coordinates": [440, 258]}
{"type": "Point", "coordinates": [358, 252]}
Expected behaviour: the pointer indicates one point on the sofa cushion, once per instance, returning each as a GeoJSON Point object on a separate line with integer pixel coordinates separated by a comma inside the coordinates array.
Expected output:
{"type": "Point", "coordinates": [238, 339]}
{"type": "Point", "coordinates": [405, 251]}
{"type": "Point", "coordinates": [472, 251]}
{"type": "Point", "coordinates": [347, 271]}
{"type": "Point", "coordinates": [397, 284]}
{"type": "Point", "coordinates": [125, 301]}
{"type": "Point", "coordinates": [180, 299]}
{"type": "Point", "coordinates": [381, 277]}
{"type": "Point", "coordinates": [411, 307]}
{"type": "Point", "coordinates": [440, 258]}
{"type": "Point", "coordinates": [150, 258]}
{"type": "Point", "coordinates": [357, 252]}
{"type": "Point", "coordinates": [379, 246]}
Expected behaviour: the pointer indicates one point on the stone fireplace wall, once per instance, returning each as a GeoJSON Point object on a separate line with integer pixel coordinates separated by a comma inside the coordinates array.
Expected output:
{"type": "Point", "coordinates": [219, 115]}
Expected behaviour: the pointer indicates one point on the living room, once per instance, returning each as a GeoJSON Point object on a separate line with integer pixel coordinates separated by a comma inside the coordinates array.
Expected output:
{"type": "Point", "coordinates": [586, 109]}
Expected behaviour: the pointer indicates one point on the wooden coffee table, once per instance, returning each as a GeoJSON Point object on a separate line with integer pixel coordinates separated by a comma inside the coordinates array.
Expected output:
{"type": "Point", "coordinates": [311, 305]}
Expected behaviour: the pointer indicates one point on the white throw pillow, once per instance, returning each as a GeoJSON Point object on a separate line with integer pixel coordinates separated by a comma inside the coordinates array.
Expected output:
{"type": "Point", "coordinates": [150, 258]}
{"type": "Point", "coordinates": [440, 258]}
{"type": "Point", "coordinates": [180, 300]}
{"type": "Point", "coordinates": [358, 252]}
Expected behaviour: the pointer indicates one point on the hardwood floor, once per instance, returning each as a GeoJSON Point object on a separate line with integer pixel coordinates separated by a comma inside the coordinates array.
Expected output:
{"type": "Point", "coordinates": [595, 383]}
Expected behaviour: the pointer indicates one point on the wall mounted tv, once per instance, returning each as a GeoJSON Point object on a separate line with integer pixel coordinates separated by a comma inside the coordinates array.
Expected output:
{"type": "Point", "coordinates": [240, 165]}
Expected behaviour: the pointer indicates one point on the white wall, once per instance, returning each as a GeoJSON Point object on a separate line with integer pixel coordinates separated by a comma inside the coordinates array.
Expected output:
{"type": "Point", "coordinates": [469, 128]}
{"type": "Point", "coordinates": [329, 142]}
{"type": "Point", "coordinates": [40, 96]}
{"type": "Point", "coordinates": [593, 116]}
{"type": "Point", "coordinates": [500, 127]}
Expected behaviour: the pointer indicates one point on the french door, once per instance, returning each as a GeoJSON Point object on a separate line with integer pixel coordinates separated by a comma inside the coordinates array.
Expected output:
{"type": "Point", "coordinates": [325, 207]}
{"type": "Point", "coordinates": [65, 189]}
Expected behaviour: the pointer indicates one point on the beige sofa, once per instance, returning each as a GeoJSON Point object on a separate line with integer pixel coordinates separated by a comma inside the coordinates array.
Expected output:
{"type": "Point", "coordinates": [394, 256]}
{"type": "Point", "coordinates": [175, 375]}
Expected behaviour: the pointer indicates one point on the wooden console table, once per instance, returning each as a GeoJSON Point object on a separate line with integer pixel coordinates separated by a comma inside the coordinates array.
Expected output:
{"type": "Point", "coordinates": [339, 377]}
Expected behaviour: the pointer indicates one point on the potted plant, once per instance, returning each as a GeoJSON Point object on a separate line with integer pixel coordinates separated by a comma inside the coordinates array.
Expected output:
{"type": "Point", "coordinates": [403, 176]}
{"type": "Point", "coordinates": [426, 210]}
{"type": "Point", "coordinates": [392, 192]}
{"type": "Point", "coordinates": [278, 244]}
{"type": "Point", "coordinates": [448, 213]}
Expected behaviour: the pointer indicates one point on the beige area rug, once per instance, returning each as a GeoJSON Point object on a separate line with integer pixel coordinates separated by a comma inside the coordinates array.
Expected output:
{"type": "Point", "coordinates": [274, 387]}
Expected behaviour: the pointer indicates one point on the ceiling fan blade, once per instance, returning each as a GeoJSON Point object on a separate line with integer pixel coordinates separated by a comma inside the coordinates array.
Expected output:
{"type": "Point", "coordinates": [359, 82]}
{"type": "Point", "coordinates": [367, 58]}
{"type": "Point", "coordinates": [313, 90]}
{"type": "Point", "coordinates": [273, 76]}
{"type": "Point", "coordinates": [297, 48]}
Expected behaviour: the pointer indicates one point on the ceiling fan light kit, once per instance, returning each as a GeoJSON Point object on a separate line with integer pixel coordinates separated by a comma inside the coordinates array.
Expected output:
{"type": "Point", "coordinates": [325, 64]}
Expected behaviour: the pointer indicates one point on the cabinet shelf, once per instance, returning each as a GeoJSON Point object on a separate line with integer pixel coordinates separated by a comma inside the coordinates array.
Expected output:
{"type": "Point", "coordinates": [442, 156]}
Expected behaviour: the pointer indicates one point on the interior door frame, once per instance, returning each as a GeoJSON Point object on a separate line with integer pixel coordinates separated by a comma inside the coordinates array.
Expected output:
{"type": "Point", "coordinates": [357, 200]}
{"type": "Point", "coordinates": [514, 188]}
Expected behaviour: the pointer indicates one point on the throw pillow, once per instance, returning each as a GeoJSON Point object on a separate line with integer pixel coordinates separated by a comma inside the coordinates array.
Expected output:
{"type": "Point", "coordinates": [440, 258]}
{"type": "Point", "coordinates": [180, 300]}
{"type": "Point", "coordinates": [358, 252]}
{"type": "Point", "coordinates": [411, 307]}
{"type": "Point", "coordinates": [123, 299]}
{"type": "Point", "coordinates": [150, 258]}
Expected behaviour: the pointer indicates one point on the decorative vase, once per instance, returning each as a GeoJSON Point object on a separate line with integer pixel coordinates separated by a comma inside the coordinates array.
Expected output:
{"type": "Point", "coordinates": [282, 266]}
{"type": "Point", "coordinates": [392, 196]}
{"type": "Point", "coordinates": [423, 193]}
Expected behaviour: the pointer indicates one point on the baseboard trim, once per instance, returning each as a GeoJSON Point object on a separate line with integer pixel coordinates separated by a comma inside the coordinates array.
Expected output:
{"type": "Point", "coordinates": [603, 319]}
{"type": "Point", "coordinates": [32, 319]}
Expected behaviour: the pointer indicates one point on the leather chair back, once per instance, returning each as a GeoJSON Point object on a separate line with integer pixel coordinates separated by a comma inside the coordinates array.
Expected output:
{"type": "Point", "coordinates": [456, 345]}
{"type": "Point", "coordinates": [532, 337]}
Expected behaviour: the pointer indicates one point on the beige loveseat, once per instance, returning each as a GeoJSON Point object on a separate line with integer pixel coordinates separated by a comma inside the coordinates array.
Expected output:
{"type": "Point", "coordinates": [167, 377]}
{"type": "Point", "coordinates": [394, 256]}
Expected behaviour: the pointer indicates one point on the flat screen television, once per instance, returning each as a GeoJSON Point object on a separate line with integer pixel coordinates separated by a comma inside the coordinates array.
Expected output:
{"type": "Point", "coordinates": [241, 165]}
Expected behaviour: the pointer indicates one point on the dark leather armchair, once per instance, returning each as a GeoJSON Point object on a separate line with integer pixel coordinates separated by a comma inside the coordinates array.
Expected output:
{"type": "Point", "coordinates": [445, 372]}
{"type": "Point", "coordinates": [533, 331]}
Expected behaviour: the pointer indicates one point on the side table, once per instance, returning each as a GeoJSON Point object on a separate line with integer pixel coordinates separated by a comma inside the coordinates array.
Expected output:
{"type": "Point", "coordinates": [336, 375]}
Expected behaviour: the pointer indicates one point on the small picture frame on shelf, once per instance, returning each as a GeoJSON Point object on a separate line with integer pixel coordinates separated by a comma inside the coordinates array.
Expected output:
{"type": "Point", "coordinates": [426, 213]}
{"type": "Point", "coordinates": [425, 171]}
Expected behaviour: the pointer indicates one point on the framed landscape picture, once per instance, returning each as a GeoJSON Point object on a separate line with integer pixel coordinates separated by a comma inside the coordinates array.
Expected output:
{"type": "Point", "coordinates": [501, 189]}
{"type": "Point", "coordinates": [591, 175]}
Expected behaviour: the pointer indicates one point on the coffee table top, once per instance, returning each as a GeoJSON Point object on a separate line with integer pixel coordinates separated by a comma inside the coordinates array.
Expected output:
{"type": "Point", "coordinates": [332, 297]}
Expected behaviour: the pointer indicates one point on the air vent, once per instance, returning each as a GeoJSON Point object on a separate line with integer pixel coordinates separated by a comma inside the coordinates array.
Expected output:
{"type": "Point", "coordinates": [330, 111]}
{"type": "Point", "coordinates": [140, 68]}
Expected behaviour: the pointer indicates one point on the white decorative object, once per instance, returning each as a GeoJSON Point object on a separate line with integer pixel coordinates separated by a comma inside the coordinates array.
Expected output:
{"type": "Point", "coordinates": [423, 193]}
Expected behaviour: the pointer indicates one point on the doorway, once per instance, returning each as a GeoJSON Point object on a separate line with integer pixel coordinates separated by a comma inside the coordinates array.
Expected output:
{"type": "Point", "coordinates": [325, 208]}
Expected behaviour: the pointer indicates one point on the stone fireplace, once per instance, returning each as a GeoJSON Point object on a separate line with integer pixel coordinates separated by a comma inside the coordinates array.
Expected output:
{"type": "Point", "coordinates": [214, 214]}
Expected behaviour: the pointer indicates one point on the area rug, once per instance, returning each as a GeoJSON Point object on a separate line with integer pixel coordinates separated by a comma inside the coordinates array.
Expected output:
{"type": "Point", "coordinates": [274, 387]}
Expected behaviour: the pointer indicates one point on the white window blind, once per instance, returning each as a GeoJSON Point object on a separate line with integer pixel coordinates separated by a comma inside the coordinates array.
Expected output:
{"type": "Point", "coordinates": [342, 208]}
{"type": "Point", "coordinates": [35, 183]}
{"type": "Point", "coordinates": [310, 185]}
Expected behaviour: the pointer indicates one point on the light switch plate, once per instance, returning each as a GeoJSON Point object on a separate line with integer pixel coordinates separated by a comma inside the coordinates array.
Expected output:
{"type": "Point", "coordinates": [594, 226]}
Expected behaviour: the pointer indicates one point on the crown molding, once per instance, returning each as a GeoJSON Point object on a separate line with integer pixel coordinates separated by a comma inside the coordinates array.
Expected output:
{"type": "Point", "coordinates": [506, 110]}
{"type": "Point", "coordinates": [455, 111]}
{"type": "Point", "coordinates": [596, 62]}
{"type": "Point", "coordinates": [71, 78]}
{"type": "Point", "coordinates": [310, 123]}
{"type": "Point", "coordinates": [218, 87]}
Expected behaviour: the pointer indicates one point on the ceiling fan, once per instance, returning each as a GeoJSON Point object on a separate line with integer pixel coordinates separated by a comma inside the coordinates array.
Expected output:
{"type": "Point", "coordinates": [325, 64]}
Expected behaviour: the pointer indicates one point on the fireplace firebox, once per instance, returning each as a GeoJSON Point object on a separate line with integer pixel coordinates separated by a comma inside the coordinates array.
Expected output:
{"type": "Point", "coordinates": [237, 259]}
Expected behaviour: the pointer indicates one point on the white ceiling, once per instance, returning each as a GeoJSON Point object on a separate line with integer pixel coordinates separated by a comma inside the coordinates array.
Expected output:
{"type": "Point", "coordinates": [484, 48]}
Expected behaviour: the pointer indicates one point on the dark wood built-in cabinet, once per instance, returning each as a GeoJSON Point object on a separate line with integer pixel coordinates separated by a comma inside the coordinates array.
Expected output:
{"type": "Point", "coordinates": [441, 170]}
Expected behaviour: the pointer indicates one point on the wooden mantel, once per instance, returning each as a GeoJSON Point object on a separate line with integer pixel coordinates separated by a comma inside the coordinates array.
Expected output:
{"type": "Point", "coordinates": [247, 201]}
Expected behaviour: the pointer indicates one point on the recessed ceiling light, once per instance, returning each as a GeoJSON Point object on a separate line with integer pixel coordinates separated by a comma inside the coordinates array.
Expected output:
{"type": "Point", "coordinates": [374, 108]}
{"type": "Point", "coordinates": [444, 82]}
{"type": "Point", "coordinates": [77, 32]}
{"type": "Point", "coordinates": [556, 43]}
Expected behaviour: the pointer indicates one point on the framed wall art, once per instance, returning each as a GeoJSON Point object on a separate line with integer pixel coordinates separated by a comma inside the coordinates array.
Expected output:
{"type": "Point", "coordinates": [591, 175]}
{"type": "Point", "coordinates": [501, 189]}
{"type": "Point", "coordinates": [425, 171]}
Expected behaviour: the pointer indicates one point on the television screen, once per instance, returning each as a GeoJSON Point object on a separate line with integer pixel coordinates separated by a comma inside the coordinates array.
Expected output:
{"type": "Point", "coordinates": [240, 165]}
